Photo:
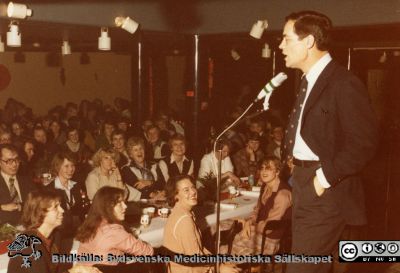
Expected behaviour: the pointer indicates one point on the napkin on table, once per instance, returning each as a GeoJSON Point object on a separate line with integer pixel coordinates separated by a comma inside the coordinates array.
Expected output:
{"type": "Point", "coordinates": [228, 206]}
{"type": "Point", "coordinates": [250, 193]}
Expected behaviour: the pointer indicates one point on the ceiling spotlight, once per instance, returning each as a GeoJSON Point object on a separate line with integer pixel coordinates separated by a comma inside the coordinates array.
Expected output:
{"type": "Point", "coordinates": [14, 36]}
{"type": "Point", "coordinates": [266, 51]}
{"type": "Point", "coordinates": [235, 55]}
{"type": "Point", "coordinates": [383, 57]}
{"type": "Point", "coordinates": [1, 45]}
{"type": "Point", "coordinates": [104, 39]}
{"type": "Point", "coordinates": [258, 28]}
{"type": "Point", "coordinates": [126, 23]}
{"type": "Point", "coordinates": [65, 48]}
{"type": "Point", "coordinates": [18, 11]}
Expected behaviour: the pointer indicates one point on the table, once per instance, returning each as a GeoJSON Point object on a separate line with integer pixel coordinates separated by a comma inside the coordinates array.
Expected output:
{"type": "Point", "coordinates": [153, 234]}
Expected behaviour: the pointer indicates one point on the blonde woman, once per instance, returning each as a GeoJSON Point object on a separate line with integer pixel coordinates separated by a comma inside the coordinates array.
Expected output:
{"type": "Point", "coordinates": [106, 173]}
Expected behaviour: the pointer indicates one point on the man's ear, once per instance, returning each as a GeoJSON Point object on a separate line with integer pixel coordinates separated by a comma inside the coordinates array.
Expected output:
{"type": "Point", "coordinates": [310, 41]}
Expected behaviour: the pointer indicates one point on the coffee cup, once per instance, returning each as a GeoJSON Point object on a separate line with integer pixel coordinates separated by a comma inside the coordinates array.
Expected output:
{"type": "Point", "coordinates": [46, 178]}
{"type": "Point", "coordinates": [163, 212]}
{"type": "Point", "coordinates": [233, 191]}
{"type": "Point", "coordinates": [145, 220]}
{"type": "Point", "coordinates": [149, 210]}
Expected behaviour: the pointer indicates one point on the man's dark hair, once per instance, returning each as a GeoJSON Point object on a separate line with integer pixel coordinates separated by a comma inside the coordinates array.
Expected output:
{"type": "Point", "coordinates": [9, 147]}
{"type": "Point", "coordinates": [312, 23]}
{"type": "Point", "coordinates": [253, 136]}
{"type": "Point", "coordinates": [118, 132]}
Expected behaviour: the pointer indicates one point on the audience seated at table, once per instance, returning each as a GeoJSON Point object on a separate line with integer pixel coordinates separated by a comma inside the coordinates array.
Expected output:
{"type": "Point", "coordinates": [42, 214]}
{"type": "Point", "coordinates": [257, 125]}
{"type": "Point", "coordinates": [56, 133]}
{"type": "Point", "coordinates": [159, 147]}
{"type": "Point", "coordinates": [63, 169]}
{"type": "Point", "coordinates": [45, 150]}
{"type": "Point", "coordinates": [166, 129]}
{"type": "Point", "coordinates": [118, 140]}
{"type": "Point", "coordinates": [140, 174]}
{"type": "Point", "coordinates": [106, 173]}
{"type": "Point", "coordinates": [209, 164]}
{"type": "Point", "coordinates": [181, 235]}
{"type": "Point", "coordinates": [125, 125]}
{"type": "Point", "coordinates": [26, 151]}
{"type": "Point", "coordinates": [81, 152]}
{"type": "Point", "coordinates": [104, 138]}
{"type": "Point", "coordinates": [246, 159]}
{"type": "Point", "coordinates": [18, 133]}
{"type": "Point", "coordinates": [177, 163]}
{"type": "Point", "coordinates": [274, 145]}
{"type": "Point", "coordinates": [14, 188]}
{"type": "Point", "coordinates": [274, 204]}
{"type": "Point", "coordinates": [103, 233]}
{"type": "Point", "coordinates": [86, 136]}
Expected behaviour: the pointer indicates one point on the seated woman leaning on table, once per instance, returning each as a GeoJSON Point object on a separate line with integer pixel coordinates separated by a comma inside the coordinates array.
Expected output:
{"type": "Point", "coordinates": [103, 233]}
{"type": "Point", "coordinates": [273, 204]}
{"type": "Point", "coordinates": [106, 173]}
{"type": "Point", "coordinates": [41, 214]}
{"type": "Point", "coordinates": [144, 176]}
{"type": "Point", "coordinates": [181, 235]}
{"type": "Point", "coordinates": [209, 164]}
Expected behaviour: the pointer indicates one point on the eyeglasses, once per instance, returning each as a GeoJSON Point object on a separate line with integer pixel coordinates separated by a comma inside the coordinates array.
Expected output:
{"type": "Point", "coordinates": [11, 161]}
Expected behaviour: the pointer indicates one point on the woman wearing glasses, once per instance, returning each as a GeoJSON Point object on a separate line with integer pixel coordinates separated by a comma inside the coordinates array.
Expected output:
{"type": "Point", "coordinates": [273, 204]}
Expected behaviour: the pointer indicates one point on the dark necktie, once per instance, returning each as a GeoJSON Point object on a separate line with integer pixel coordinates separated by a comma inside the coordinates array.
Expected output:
{"type": "Point", "coordinates": [13, 191]}
{"type": "Point", "coordinates": [291, 129]}
{"type": "Point", "coordinates": [70, 201]}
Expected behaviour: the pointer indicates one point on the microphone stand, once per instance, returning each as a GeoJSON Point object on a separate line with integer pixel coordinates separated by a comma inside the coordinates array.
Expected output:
{"type": "Point", "coordinates": [219, 177]}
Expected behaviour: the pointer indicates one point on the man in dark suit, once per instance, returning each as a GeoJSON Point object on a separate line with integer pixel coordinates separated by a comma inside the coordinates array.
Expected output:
{"type": "Point", "coordinates": [331, 135]}
{"type": "Point", "coordinates": [13, 188]}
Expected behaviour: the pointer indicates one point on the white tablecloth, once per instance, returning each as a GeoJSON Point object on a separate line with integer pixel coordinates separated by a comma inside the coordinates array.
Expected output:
{"type": "Point", "coordinates": [153, 234]}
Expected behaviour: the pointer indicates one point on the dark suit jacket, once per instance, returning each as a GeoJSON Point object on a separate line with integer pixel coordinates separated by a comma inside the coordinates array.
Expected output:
{"type": "Point", "coordinates": [339, 126]}
{"type": "Point", "coordinates": [25, 186]}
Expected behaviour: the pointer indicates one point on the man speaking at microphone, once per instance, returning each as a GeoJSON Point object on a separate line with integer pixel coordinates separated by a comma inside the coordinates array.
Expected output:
{"type": "Point", "coordinates": [331, 135]}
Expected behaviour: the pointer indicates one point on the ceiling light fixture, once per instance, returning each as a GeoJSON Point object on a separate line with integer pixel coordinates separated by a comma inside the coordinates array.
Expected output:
{"type": "Point", "coordinates": [235, 54]}
{"type": "Point", "coordinates": [18, 11]}
{"type": "Point", "coordinates": [104, 40]}
{"type": "Point", "coordinates": [1, 45]}
{"type": "Point", "coordinates": [13, 35]}
{"type": "Point", "coordinates": [65, 48]}
{"type": "Point", "coordinates": [126, 23]}
{"type": "Point", "coordinates": [266, 51]}
{"type": "Point", "coordinates": [258, 29]}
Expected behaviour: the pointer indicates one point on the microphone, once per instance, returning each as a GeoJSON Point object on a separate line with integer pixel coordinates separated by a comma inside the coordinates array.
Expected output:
{"type": "Point", "coordinates": [266, 92]}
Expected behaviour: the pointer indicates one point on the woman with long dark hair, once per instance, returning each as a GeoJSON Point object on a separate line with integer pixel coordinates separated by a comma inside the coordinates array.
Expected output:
{"type": "Point", "coordinates": [103, 232]}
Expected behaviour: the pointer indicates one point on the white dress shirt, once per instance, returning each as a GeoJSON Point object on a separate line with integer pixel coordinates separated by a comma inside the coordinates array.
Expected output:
{"type": "Point", "coordinates": [6, 177]}
{"type": "Point", "coordinates": [301, 150]}
{"type": "Point", "coordinates": [67, 190]}
{"type": "Point", "coordinates": [209, 164]}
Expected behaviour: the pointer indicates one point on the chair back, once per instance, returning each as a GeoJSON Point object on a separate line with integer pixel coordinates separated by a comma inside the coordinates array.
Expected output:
{"type": "Point", "coordinates": [227, 236]}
